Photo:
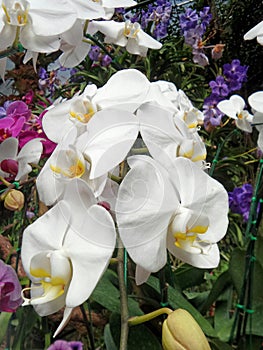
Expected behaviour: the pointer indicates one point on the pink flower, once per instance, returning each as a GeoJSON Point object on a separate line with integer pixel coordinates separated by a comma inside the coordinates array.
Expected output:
{"type": "Point", "coordinates": [10, 289]}
{"type": "Point", "coordinates": [10, 127]}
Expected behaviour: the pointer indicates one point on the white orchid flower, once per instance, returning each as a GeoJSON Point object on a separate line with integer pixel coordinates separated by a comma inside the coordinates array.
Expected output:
{"type": "Point", "coordinates": [168, 137]}
{"type": "Point", "coordinates": [109, 137]}
{"type": "Point", "coordinates": [17, 163]}
{"type": "Point", "coordinates": [66, 251]}
{"type": "Point", "coordinates": [185, 211]}
{"type": "Point", "coordinates": [65, 164]}
{"type": "Point", "coordinates": [79, 110]}
{"type": "Point", "coordinates": [126, 34]}
{"type": "Point", "coordinates": [234, 108]}
{"type": "Point", "coordinates": [255, 32]}
{"type": "Point", "coordinates": [35, 23]}
{"type": "Point", "coordinates": [256, 101]}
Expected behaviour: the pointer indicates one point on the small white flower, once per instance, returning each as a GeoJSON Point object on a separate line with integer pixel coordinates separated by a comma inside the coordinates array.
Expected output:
{"type": "Point", "coordinates": [234, 108]}
{"type": "Point", "coordinates": [126, 34]}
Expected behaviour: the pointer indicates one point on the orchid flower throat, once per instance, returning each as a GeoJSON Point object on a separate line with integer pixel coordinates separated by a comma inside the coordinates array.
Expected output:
{"type": "Point", "coordinates": [242, 115]}
{"type": "Point", "coordinates": [131, 29]}
{"type": "Point", "coordinates": [186, 227]}
{"type": "Point", "coordinates": [16, 15]}
{"type": "Point", "coordinates": [50, 280]}
{"type": "Point", "coordinates": [82, 110]}
{"type": "Point", "coordinates": [70, 164]}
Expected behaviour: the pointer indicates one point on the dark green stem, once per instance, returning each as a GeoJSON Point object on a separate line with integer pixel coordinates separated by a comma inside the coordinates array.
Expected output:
{"type": "Point", "coordinates": [123, 296]}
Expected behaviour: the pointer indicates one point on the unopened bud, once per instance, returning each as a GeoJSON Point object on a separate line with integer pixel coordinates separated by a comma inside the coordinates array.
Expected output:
{"type": "Point", "coordinates": [182, 332]}
{"type": "Point", "coordinates": [14, 200]}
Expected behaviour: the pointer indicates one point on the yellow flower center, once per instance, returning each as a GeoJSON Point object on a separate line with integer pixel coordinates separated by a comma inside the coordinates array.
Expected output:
{"type": "Point", "coordinates": [17, 14]}
{"type": "Point", "coordinates": [131, 29]}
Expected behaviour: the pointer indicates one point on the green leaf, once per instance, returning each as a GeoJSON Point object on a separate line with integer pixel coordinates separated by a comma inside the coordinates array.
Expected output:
{"type": "Point", "coordinates": [188, 276]}
{"type": "Point", "coordinates": [140, 337]}
{"type": "Point", "coordinates": [4, 322]}
{"type": "Point", "coordinates": [217, 344]}
{"type": "Point", "coordinates": [108, 339]}
{"type": "Point", "coordinates": [108, 295]}
{"type": "Point", "coordinates": [177, 300]}
{"type": "Point", "coordinates": [220, 284]}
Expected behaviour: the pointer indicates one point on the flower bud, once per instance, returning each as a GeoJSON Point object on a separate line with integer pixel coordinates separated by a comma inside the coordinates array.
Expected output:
{"type": "Point", "coordinates": [14, 200]}
{"type": "Point", "coordinates": [182, 332]}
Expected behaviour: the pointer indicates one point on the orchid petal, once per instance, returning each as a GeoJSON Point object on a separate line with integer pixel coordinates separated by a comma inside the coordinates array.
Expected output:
{"type": "Point", "coordinates": [8, 35]}
{"type": "Point", "coordinates": [141, 275]}
{"type": "Point", "coordinates": [202, 194]}
{"type": "Point", "coordinates": [40, 236]}
{"type": "Point", "coordinates": [44, 15]}
{"type": "Point", "coordinates": [30, 153]}
{"type": "Point", "coordinates": [256, 101]}
{"type": "Point", "coordinates": [255, 31]}
{"type": "Point", "coordinates": [8, 149]}
{"type": "Point", "coordinates": [110, 135]}
{"type": "Point", "coordinates": [160, 134]}
{"type": "Point", "coordinates": [207, 260]}
{"type": "Point", "coordinates": [87, 9]}
{"type": "Point", "coordinates": [128, 98]}
{"type": "Point", "coordinates": [37, 43]}
{"type": "Point", "coordinates": [58, 116]}
{"type": "Point", "coordinates": [65, 320]}
{"type": "Point", "coordinates": [89, 248]}
{"type": "Point", "coordinates": [73, 55]}
{"type": "Point", "coordinates": [145, 204]}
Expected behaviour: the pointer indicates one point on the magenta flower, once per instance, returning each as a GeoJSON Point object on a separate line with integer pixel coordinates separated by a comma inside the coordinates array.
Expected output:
{"type": "Point", "coordinates": [10, 289]}
{"type": "Point", "coordinates": [10, 127]}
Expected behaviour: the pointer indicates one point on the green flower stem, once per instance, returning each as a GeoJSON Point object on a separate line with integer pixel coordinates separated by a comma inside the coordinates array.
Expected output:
{"type": "Point", "coordinates": [134, 321]}
{"type": "Point", "coordinates": [88, 324]}
{"type": "Point", "coordinates": [244, 307]}
{"type": "Point", "coordinates": [219, 149]}
{"type": "Point", "coordinates": [123, 295]}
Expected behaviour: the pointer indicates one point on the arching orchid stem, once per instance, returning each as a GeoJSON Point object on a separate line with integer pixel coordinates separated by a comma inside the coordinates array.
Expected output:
{"type": "Point", "coordinates": [115, 178]}
{"type": "Point", "coordinates": [98, 43]}
{"type": "Point", "coordinates": [123, 296]}
{"type": "Point", "coordinates": [133, 321]}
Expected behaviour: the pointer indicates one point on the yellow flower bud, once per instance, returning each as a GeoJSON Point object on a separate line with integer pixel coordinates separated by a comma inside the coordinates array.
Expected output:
{"type": "Point", "coordinates": [182, 332]}
{"type": "Point", "coordinates": [14, 200]}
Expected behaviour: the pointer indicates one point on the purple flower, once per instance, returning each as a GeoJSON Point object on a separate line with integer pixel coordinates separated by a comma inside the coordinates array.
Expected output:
{"type": "Point", "coordinates": [188, 19]}
{"type": "Point", "coordinates": [235, 74]}
{"type": "Point", "coordinates": [219, 86]}
{"type": "Point", "coordinates": [199, 57]}
{"type": "Point", "coordinates": [10, 289]}
{"type": "Point", "coordinates": [240, 200]}
{"type": "Point", "coordinates": [94, 53]}
{"type": "Point", "coordinates": [205, 17]}
{"type": "Point", "coordinates": [65, 345]}
{"type": "Point", "coordinates": [106, 61]}
{"type": "Point", "coordinates": [212, 114]}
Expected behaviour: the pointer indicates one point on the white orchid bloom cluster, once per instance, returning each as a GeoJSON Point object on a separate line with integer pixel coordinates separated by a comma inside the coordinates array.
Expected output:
{"type": "Point", "coordinates": [235, 108]}
{"type": "Point", "coordinates": [46, 27]}
{"type": "Point", "coordinates": [165, 201]}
